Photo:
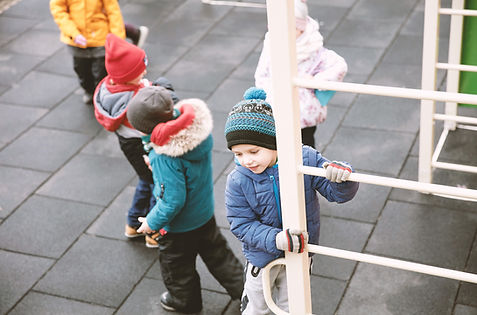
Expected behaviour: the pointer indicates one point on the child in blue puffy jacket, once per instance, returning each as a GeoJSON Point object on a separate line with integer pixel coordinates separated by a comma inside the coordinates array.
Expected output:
{"type": "Point", "coordinates": [252, 197]}
{"type": "Point", "coordinates": [180, 142]}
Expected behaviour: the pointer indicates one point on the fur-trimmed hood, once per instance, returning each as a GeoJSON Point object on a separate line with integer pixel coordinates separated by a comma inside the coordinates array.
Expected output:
{"type": "Point", "coordinates": [186, 132]}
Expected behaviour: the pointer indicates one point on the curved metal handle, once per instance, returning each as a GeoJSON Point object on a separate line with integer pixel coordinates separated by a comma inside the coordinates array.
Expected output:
{"type": "Point", "coordinates": [267, 292]}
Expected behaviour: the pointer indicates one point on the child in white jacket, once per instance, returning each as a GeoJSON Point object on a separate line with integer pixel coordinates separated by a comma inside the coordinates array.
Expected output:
{"type": "Point", "coordinates": [313, 61]}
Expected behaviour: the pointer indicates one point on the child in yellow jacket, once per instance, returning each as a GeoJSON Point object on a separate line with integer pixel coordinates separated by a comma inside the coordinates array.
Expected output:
{"type": "Point", "coordinates": [84, 25]}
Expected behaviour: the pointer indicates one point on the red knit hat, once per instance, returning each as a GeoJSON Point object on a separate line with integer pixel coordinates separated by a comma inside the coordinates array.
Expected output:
{"type": "Point", "coordinates": [124, 61]}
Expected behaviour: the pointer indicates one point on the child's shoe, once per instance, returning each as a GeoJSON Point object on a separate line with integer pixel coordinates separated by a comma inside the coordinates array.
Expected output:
{"type": "Point", "coordinates": [87, 98]}
{"type": "Point", "coordinates": [143, 32]}
{"type": "Point", "coordinates": [151, 240]}
{"type": "Point", "coordinates": [131, 232]}
{"type": "Point", "coordinates": [168, 303]}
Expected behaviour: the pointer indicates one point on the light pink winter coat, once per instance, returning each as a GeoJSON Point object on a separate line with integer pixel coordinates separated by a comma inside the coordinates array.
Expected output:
{"type": "Point", "coordinates": [312, 59]}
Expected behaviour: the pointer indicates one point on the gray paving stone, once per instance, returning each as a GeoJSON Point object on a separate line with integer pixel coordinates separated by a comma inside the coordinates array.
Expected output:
{"type": "Point", "coordinates": [42, 149]}
{"type": "Point", "coordinates": [371, 150]}
{"type": "Point", "coordinates": [16, 119]}
{"type": "Point", "coordinates": [246, 70]}
{"type": "Point", "coordinates": [161, 58]}
{"type": "Point", "coordinates": [18, 273]}
{"type": "Point", "coordinates": [71, 114]}
{"type": "Point", "coordinates": [11, 27]}
{"type": "Point", "coordinates": [354, 58]}
{"type": "Point", "coordinates": [60, 62]}
{"type": "Point", "coordinates": [89, 178]}
{"type": "Point", "coordinates": [331, 235]}
{"type": "Point", "coordinates": [440, 176]}
{"type": "Point", "coordinates": [175, 32]}
{"type": "Point", "coordinates": [145, 13]}
{"type": "Point", "coordinates": [366, 206]}
{"type": "Point", "coordinates": [16, 185]}
{"type": "Point", "coordinates": [111, 222]}
{"type": "Point", "coordinates": [392, 291]}
{"type": "Point", "coordinates": [14, 66]}
{"type": "Point", "coordinates": [220, 143]}
{"type": "Point", "coordinates": [45, 43]}
{"type": "Point", "coordinates": [97, 270]}
{"type": "Point", "coordinates": [220, 160]}
{"type": "Point", "coordinates": [395, 114]}
{"type": "Point", "coordinates": [364, 33]}
{"type": "Point", "coordinates": [326, 294]}
{"type": "Point", "coordinates": [328, 17]}
{"type": "Point", "coordinates": [35, 10]}
{"type": "Point", "coordinates": [415, 23]}
{"type": "Point", "coordinates": [465, 310]}
{"type": "Point", "coordinates": [45, 219]}
{"type": "Point", "coordinates": [424, 234]}
{"type": "Point", "coordinates": [37, 303]}
{"type": "Point", "coordinates": [105, 144]}
{"type": "Point", "coordinates": [228, 94]}
{"type": "Point", "coordinates": [31, 90]}
{"type": "Point", "coordinates": [200, 78]}
{"type": "Point", "coordinates": [379, 10]}
{"type": "Point", "coordinates": [407, 49]}
{"type": "Point", "coordinates": [196, 10]}
{"type": "Point", "coordinates": [212, 45]}
{"type": "Point", "coordinates": [47, 24]}
{"type": "Point", "coordinates": [336, 3]}
{"type": "Point", "coordinates": [147, 295]}
{"type": "Point", "coordinates": [457, 149]}
{"type": "Point", "coordinates": [468, 291]}
{"type": "Point", "coordinates": [326, 130]}
{"type": "Point", "coordinates": [219, 198]}
{"type": "Point", "coordinates": [233, 23]}
{"type": "Point", "coordinates": [345, 99]}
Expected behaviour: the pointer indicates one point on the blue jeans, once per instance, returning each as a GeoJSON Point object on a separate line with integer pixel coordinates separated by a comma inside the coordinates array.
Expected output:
{"type": "Point", "coordinates": [143, 201]}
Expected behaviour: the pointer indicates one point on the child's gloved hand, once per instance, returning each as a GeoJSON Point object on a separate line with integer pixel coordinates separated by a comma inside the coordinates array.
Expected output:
{"type": "Point", "coordinates": [291, 240]}
{"type": "Point", "coordinates": [80, 40]}
{"type": "Point", "coordinates": [144, 228]}
{"type": "Point", "coordinates": [337, 171]}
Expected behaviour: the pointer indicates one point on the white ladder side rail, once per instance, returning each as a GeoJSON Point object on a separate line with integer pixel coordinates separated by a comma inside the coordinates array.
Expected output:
{"type": "Point", "coordinates": [455, 48]}
{"type": "Point", "coordinates": [428, 83]}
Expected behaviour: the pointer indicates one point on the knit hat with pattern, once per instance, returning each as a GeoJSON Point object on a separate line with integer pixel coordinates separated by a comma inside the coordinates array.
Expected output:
{"type": "Point", "coordinates": [123, 60]}
{"type": "Point", "coordinates": [251, 121]}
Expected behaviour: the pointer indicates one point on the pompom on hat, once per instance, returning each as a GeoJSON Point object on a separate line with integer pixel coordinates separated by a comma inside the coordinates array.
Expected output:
{"type": "Point", "coordinates": [251, 121]}
{"type": "Point", "coordinates": [151, 106]}
{"type": "Point", "coordinates": [123, 60]}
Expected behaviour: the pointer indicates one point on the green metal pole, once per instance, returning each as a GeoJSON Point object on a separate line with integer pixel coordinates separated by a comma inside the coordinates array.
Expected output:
{"type": "Point", "coordinates": [468, 80]}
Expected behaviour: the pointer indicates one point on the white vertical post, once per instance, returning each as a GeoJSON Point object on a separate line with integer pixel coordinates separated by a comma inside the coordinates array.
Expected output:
{"type": "Point", "coordinates": [429, 60]}
{"type": "Point", "coordinates": [455, 47]}
{"type": "Point", "coordinates": [281, 23]}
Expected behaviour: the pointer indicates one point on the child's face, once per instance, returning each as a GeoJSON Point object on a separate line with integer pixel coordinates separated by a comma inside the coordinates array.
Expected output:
{"type": "Point", "coordinates": [253, 157]}
{"type": "Point", "coordinates": [138, 79]}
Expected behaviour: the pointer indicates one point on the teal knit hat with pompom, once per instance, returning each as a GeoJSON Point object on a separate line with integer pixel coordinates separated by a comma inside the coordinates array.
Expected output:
{"type": "Point", "coordinates": [251, 121]}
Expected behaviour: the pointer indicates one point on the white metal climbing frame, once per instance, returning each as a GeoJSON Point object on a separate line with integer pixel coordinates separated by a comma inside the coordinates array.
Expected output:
{"type": "Point", "coordinates": [428, 156]}
{"type": "Point", "coordinates": [284, 82]}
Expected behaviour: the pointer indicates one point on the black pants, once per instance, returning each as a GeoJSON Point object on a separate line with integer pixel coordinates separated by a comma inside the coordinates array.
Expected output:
{"type": "Point", "coordinates": [177, 256]}
{"type": "Point", "coordinates": [308, 136]}
{"type": "Point", "coordinates": [90, 72]}
{"type": "Point", "coordinates": [133, 149]}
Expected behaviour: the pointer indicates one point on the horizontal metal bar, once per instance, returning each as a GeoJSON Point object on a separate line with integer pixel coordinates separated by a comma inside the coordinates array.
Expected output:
{"type": "Point", "coordinates": [448, 11]}
{"type": "Point", "coordinates": [386, 91]}
{"type": "Point", "coordinates": [235, 3]}
{"type": "Point", "coordinates": [462, 119]}
{"type": "Point", "coordinates": [455, 167]}
{"type": "Point", "coordinates": [394, 263]}
{"type": "Point", "coordinates": [398, 183]}
{"type": "Point", "coordinates": [449, 66]}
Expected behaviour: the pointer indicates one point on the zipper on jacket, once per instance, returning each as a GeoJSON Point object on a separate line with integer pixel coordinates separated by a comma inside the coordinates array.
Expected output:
{"type": "Point", "coordinates": [161, 194]}
{"type": "Point", "coordinates": [277, 199]}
